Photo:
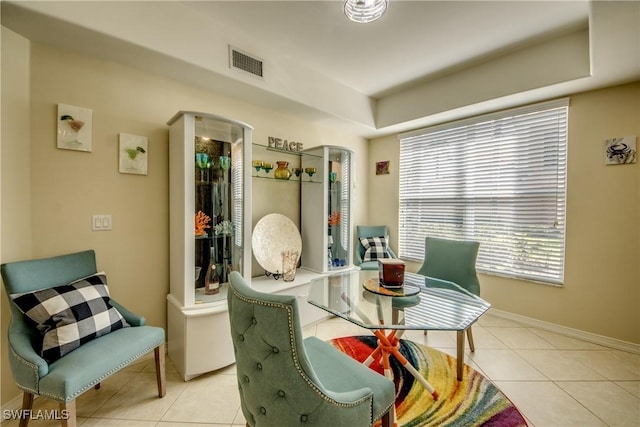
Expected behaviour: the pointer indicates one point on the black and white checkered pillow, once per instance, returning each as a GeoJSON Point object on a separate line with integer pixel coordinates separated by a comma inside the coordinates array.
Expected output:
{"type": "Point", "coordinates": [375, 248]}
{"type": "Point", "coordinates": [70, 315]}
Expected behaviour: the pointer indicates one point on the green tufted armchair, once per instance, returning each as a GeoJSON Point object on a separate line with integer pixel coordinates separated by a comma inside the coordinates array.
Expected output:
{"type": "Point", "coordinates": [285, 381]}
{"type": "Point", "coordinates": [84, 368]}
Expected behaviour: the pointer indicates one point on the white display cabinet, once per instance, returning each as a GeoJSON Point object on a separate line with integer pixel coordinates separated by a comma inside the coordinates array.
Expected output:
{"type": "Point", "coordinates": [207, 177]}
{"type": "Point", "coordinates": [326, 212]}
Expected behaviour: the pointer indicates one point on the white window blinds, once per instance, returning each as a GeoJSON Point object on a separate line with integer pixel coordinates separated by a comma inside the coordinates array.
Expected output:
{"type": "Point", "coordinates": [499, 179]}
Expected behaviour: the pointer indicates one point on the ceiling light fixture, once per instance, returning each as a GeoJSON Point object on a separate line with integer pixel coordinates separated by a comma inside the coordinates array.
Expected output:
{"type": "Point", "coordinates": [364, 11]}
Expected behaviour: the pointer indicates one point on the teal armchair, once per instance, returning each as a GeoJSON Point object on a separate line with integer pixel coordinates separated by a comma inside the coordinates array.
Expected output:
{"type": "Point", "coordinates": [453, 261]}
{"type": "Point", "coordinates": [77, 371]}
{"type": "Point", "coordinates": [285, 380]}
{"type": "Point", "coordinates": [363, 231]}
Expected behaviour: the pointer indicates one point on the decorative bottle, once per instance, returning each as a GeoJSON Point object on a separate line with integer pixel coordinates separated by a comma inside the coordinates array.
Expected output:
{"type": "Point", "coordinates": [212, 280]}
{"type": "Point", "coordinates": [282, 171]}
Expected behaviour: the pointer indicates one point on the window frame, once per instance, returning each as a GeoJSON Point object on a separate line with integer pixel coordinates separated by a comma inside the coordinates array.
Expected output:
{"type": "Point", "coordinates": [464, 198]}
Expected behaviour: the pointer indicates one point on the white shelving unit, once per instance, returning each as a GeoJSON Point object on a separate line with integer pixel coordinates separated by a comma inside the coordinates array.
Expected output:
{"type": "Point", "coordinates": [321, 194]}
{"type": "Point", "coordinates": [326, 215]}
{"type": "Point", "coordinates": [199, 338]}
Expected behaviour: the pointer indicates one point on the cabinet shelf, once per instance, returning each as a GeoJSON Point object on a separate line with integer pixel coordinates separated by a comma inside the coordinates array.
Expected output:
{"type": "Point", "coordinates": [209, 237]}
{"type": "Point", "coordinates": [202, 298]}
{"type": "Point", "coordinates": [296, 180]}
{"type": "Point", "coordinates": [271, 178]}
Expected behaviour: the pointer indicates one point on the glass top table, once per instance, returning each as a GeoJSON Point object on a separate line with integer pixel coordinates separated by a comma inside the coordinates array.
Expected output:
{"type": "Point", "coordinates": [431, 304]}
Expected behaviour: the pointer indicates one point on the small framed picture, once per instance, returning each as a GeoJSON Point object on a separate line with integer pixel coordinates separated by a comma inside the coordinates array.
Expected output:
{"type": "Point", "coordinates": [620, 151]}
{"type": "Point", "coordinates": [382, 168]}
{"type": "Point", "coordinates": [133, 154]}
{"type": "Point", "coordinates": [74, 128]}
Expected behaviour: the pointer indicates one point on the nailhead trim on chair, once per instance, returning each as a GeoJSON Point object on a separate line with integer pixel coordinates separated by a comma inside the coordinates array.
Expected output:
{"type": "Point", "coordinates": [294, 354]}
{"type": "Point", "coordinates": [30, 365]}
{"type": "Point", "coordinates": [87, 387]}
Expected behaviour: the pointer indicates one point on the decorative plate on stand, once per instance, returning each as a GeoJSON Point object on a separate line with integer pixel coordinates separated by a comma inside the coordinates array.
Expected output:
{"type": "Point", "coordinates": [272, 235]}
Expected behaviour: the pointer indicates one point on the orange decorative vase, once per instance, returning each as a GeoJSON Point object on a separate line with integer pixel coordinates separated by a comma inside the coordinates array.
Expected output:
{"type": "Point", "coordinates": [282, 171]}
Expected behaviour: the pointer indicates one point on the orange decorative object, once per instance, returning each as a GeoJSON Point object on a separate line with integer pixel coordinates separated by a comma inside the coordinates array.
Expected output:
{"type": "Point", "coordinates": [389, 345]}
{"type": "Point", "coordinates": [202, 222]}
{"type": "Point", "coordinates": [334, 218]}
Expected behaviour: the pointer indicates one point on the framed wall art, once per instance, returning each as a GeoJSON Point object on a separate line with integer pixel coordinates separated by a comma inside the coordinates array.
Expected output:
{"type": "Point", "coordinates": [133, 154]}
{"type": "Point", "coordinates": [382, 168]}
{"type": "Point", "coordinates": [74, 128]}
{"type": "Point", "coordinates": [620, 151]}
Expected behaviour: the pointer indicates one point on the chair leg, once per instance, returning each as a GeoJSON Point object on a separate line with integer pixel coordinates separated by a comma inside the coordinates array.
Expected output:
{"type": "Point", "coordinates": [472, 347]}
{"type": "Point", "coordinates": [395, 316]}
{"type": "Point", "coordinates": [388, 417]}
{"type": "Point", "coordinates": [27, 404]}
{"type": "Point", "coordinates": [160, 373]}
{"type": "Point", "coordinates": [68, 413]}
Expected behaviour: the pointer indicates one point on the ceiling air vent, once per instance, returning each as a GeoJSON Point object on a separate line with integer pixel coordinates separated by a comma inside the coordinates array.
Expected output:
{"type": "Point", "coordinates": [244, 62]}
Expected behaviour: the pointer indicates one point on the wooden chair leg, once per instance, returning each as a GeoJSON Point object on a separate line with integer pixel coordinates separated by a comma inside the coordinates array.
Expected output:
{"type": "Point", "coordinates": [160, 373]}
{"type": "Point", "coordinates": [68, 414]}
{"type": "Point", "coordinates": [472, 347]}
{"type": "Point", "coordinates": [388, 418]}
{"type": "Point", "coordinates": [27, 404]}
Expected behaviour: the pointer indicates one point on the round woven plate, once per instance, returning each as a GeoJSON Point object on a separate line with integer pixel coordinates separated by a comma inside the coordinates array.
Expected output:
{"type": "Point", "coordinates": [373, 285]}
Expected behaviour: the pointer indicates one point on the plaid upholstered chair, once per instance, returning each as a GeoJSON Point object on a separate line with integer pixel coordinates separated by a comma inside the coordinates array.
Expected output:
{"type": "Point", "coordinates": [66, 335]}
{"type": "Point", "coordinates": [373, 243]}
{"type": "Point", "coordinates": [286, 381]}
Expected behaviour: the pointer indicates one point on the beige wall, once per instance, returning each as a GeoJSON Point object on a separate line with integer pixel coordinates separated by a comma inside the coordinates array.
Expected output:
{"type": "Point", "coordinates": [601, 294]}
{"type": "Point", "coordinates": [15, 181]}
{"type": "Point", "coordinates": [67, 187]}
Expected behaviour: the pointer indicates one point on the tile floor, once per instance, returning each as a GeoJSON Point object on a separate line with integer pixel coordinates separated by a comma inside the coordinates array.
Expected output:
{"type": "Point", "coordinates": [554, 380]}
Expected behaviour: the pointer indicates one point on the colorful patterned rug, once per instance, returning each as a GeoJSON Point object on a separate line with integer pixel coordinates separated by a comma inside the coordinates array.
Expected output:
{"type": "Point", "coordinates": [474, 401]}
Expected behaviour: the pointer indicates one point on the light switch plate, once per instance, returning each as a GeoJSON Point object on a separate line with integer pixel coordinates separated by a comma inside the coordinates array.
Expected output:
{"type": "Point", "coordinates": [101, 223]}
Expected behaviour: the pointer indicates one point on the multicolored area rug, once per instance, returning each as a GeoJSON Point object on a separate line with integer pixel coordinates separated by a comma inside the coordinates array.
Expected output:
{"type": "Point", "coordinates": [474, 401]}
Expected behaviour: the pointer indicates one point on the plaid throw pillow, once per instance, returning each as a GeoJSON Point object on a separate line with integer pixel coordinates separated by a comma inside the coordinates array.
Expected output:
{"type": "Point", "coordinates": [375, 248]}
{"type": "Point", "coordinates": [70, 315]}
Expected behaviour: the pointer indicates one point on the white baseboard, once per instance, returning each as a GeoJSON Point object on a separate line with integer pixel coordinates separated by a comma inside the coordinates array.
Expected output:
{"type": "Point", "coordinates": [13, 405]}
{"type": "Point", "coordinates": [570, 332]}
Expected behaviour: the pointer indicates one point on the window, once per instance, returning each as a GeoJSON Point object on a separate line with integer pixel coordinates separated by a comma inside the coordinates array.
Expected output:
{"type": "Point", "coordinates": [499, 179]}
